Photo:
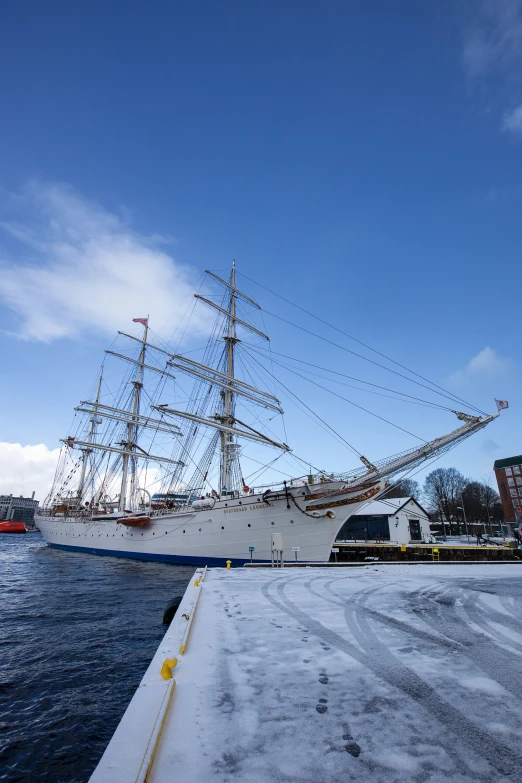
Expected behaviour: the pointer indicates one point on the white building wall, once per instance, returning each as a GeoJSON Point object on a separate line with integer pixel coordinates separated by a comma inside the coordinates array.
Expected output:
{"type": "Point", "coordinates": [400, 526]}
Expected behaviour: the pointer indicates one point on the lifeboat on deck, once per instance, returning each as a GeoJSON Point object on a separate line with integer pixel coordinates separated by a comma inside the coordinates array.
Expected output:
{"type": "Point", "coordinates": [12, 527]}
{"type": "Point", "coordinates": [133, 521]}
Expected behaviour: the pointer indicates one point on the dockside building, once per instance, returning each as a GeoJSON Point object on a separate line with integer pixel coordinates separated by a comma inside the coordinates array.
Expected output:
{"type": "Point", "coordinates": [398, 520]}
{"type": "Point", "coordinates": [19, 509]}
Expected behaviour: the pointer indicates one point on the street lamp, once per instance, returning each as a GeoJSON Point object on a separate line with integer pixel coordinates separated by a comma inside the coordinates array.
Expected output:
{"type": "Point", "coordinates": [489, 518]}
{"type": "Point", "coordinates": [461, 508]}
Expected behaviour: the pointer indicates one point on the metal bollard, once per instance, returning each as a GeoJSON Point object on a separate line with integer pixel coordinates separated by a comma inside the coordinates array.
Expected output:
{"type": "Point", "coordinates": [229, 563]}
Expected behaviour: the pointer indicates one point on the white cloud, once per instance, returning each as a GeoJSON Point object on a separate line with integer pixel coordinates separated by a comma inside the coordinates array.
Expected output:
{"type": "Point", "coordinates": [486, 364]}
{"type": "Point", "coordinates": [494, 39]}
{"type": "Point", "coordinates": [77, 268]}
{"type": "Point", "coordinates": [27, 468]}
{"type": "Point", "coordinates": [492, 53]}
{"type": "Point", "coordinates": [513, 120]}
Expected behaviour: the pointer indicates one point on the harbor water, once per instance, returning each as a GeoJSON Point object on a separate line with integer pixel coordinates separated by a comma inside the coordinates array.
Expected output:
{"type": "Point", "coordinates": [77, 632]}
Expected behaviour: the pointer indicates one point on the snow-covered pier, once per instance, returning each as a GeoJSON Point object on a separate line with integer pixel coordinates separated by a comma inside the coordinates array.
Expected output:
{"type": "Point", "coordinates": [399, 674]}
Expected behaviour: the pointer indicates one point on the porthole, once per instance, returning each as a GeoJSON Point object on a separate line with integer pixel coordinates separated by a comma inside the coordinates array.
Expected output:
{"type": "Point", "coordinates": [272, 523]}
{"type": "Point", "coordinates": [291, 521]}
{"type": "Point", "coordinates": [154, 534]}
{"type": "Point", "coordinates": [200, 530]}
{"type": "Point", "coordinates": [249, 525]}
{"type": "Point", "coordinates": [240, 503]}
{"type": "Point", "coordinates": [183, 531]}
{"type": "Point", "coordinates": [222, 528]}
{"type": "Point", "coordinates": [226, 504]}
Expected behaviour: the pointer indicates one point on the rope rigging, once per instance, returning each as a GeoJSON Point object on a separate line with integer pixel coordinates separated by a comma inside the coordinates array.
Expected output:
{"type": "Point", "coordinates": [388, 358]}
{"type": "Point", "coordinates": [413, 399]}
{"type": "Point", "coordinates": [352, 403]}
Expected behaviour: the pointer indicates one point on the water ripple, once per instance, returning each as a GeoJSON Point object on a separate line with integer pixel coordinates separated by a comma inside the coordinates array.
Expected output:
{"type": "Point", "coordinates": [76, 635]}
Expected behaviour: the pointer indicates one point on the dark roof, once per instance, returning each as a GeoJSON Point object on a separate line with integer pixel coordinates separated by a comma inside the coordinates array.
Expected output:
{"type": "Point", "coordinates": [508, 462]}
{"type": "Point", "coordinates": [387, 507]}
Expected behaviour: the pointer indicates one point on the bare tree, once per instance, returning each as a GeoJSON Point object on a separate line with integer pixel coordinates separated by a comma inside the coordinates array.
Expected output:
{"type": "Point", "coordinates": [403, 488]}
{"type": "Point", "coordinates": [492, 503]}
{"type": "Point", "coordinates": [448, 493]}
{"type": "Point", "coordinates": [443, 489]}
{"type": "Point", "coordinates": [473, 501]}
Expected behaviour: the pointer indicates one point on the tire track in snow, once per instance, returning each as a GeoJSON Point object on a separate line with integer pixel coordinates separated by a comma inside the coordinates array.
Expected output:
{"type": "Point", "coordinates": [485, 654]}
{"type": "Point", "coordinates": [483, 615]}
{"type": "Point", "coordinates": [403, 626]}
{"type": "Point", "coordinates": [388, 669]}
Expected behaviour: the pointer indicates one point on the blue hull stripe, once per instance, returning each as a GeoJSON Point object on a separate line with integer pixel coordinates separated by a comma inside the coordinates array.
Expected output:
{"type": "Point", "coordinates": [211, 561]}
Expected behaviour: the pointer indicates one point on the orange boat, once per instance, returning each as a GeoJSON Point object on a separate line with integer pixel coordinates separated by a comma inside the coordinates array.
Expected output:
{"type": "Point", "coordinates": [8, 526]}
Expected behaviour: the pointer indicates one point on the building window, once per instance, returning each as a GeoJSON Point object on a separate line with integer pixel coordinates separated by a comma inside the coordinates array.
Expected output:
{"type": "Point", "coordinates": [362, 527]}
{"type": "Point", "coordinates": [513, 493]}
{"type": "Point", "coordinates": [516, 470]}
{"type": "Point", "coordinates": [509, 472]}
{"type": "Point", "coordinates": [511, 482]}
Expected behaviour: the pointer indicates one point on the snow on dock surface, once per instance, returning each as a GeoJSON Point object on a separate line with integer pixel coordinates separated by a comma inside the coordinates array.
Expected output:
{"type": "Point", "coordinates": [410, 673]}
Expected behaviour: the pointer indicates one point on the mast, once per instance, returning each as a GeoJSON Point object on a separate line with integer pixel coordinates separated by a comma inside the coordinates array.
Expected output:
{"type": "Point", "coordinates": [87, 451]}
{"type": "Point", "coordinates": [227, 439]}
{"type": "Point", "coordinates": [132, 425]}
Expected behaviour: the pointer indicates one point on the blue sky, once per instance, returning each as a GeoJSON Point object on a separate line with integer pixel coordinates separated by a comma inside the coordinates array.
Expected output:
{"type": "Point", "coordinates": [363, 159]}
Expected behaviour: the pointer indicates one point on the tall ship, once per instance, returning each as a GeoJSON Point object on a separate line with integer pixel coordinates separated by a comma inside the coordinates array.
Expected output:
{"type": "Point", "coordinates": [142, 477]}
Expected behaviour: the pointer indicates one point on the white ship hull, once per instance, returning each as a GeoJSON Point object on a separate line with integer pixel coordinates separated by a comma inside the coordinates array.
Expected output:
{"type": "Point", "coordinates": [225, 532]}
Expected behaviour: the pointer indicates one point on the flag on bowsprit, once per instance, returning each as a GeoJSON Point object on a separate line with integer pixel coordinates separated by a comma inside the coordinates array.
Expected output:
{"type": "Point", "coordinates": [144, 321]}
{"type": "Point", "coordinates": [502, 404]}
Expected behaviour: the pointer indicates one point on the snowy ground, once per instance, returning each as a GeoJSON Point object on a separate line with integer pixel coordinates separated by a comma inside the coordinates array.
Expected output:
{"type": "Point", "coordinates": [392, 674]}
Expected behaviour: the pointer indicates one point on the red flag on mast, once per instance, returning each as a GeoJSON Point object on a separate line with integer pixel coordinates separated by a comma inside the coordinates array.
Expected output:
{"type": "Point", "coordinates": [144, 321]}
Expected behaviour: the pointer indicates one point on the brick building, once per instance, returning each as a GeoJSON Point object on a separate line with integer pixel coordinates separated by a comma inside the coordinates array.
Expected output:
{"type": "Point", "coordinates": [509, 479]}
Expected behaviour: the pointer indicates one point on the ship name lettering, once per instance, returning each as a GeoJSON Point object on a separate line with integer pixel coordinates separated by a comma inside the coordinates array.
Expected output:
{"type": "Point", "coordinates": [243, 508]}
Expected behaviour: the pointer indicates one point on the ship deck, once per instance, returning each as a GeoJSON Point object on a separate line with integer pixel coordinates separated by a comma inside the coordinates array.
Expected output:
{"type": "Point", "coordinates": [398, 674]}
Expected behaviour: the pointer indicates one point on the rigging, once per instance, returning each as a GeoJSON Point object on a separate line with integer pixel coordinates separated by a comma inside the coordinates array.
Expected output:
{"type": "Point", "coordinates": [331, 326]}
